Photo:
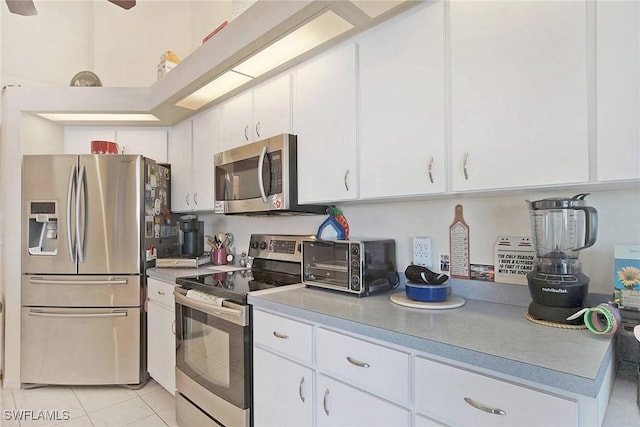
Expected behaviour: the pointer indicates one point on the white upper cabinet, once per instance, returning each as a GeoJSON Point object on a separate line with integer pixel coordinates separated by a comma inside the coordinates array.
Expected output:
{"type": "Point", "coordinates": [260, 113]}
{"type": "Point", "coordinates": [181, 171]}
{"type": "Point", "coordinates": [206, 143]}
{"type": "Point", "coordinates": [149, 142]}
{"type": "Point", "coordinates": [618, 92]}
{"type": "Point", "coordinates": [324, 117]}
{"type": "Point", "coordinates": [401, 105]}
{"type": "Point", "coordinates": [192, 146]}
{"type": "Point", "coordinates": [518, 94]}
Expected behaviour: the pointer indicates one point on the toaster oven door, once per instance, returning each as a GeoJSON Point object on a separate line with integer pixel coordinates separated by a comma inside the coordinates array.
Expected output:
{"type": "Point", "coordinates": [326, 264]}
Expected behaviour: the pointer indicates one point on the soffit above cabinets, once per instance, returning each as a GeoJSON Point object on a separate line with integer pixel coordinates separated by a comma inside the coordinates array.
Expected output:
{"type": "Point", "coordinates": [236, 48]}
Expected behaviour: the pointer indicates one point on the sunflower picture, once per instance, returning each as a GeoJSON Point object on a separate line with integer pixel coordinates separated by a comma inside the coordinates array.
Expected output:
{"type": "Point", "coordinates": [629, 276]}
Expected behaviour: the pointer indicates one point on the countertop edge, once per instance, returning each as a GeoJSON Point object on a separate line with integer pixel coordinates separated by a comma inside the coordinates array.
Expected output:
{"type": "Point", "coordinates": [499, 365]}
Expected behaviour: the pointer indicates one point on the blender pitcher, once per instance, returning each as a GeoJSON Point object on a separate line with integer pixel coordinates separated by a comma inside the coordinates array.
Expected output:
{"type": "Point", "coordinates": [561, 228]}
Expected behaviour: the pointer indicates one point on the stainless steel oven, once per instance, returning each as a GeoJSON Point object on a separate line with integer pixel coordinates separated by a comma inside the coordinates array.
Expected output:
{"type": "Point", "coordinates": [214, 343]}
{"type": "Point", "coordinates": [213, 371]}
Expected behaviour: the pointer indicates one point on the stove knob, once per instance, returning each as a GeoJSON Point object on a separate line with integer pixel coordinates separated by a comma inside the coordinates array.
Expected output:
{"type": "Point", "coordinates": [263, 245]}
{"type": "Point", "coordinates": [254, 245]}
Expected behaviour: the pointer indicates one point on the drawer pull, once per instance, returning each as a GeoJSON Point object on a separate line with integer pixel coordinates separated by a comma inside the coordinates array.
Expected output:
{"type": "Point", "coordinates": [325, 402]}
{"type": "Point", "coordinates": [357, 363]}
{"type": "Point", "coordinates": [300, 389]}
{"type": "Point", "coordinates": [484, 408]}
{"type": "Point", "coordinates": [281, 336]}
{"type": "Point", "coordinates": [160, 293]}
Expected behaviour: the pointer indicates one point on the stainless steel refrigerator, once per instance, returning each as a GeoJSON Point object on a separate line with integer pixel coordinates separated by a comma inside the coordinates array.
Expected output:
{"type": "Point", "coordinates": [87, 222]}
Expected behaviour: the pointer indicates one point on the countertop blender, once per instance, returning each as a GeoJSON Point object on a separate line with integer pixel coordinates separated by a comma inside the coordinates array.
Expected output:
{"type": "Point", "coordinates": [561, 228]}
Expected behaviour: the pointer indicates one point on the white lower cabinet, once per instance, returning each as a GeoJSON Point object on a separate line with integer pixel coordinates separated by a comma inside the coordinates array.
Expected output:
{"type": "Point", "coordinates": [338, 404]}
{"type": "Point", "coordinates": [277, 380]}
{"type": "Point", "coordinates": [161, 343]}
{"type": "Point", "coordinates": [467, 398]}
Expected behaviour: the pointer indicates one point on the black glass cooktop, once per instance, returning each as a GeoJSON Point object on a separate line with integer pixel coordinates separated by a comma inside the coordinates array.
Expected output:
{"type": "Point", "coordinates": [236, 285]}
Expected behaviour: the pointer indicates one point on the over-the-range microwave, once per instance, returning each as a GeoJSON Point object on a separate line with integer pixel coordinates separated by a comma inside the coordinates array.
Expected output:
{"type": "Point", "coordinates": [260, 178]}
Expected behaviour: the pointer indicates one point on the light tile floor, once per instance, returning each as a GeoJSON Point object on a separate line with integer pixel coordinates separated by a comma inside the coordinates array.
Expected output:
{"type": "Point", "coordinates": [87, 406]}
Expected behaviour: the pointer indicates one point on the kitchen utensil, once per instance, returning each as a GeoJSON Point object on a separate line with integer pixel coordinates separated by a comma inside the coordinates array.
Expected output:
{"type": "Point", "coordinates": [459, 265]}
{"type": "Point", "coordinates": [427, 293]}
{"type": "Point", "coordinates": [561, 227]}
{"type": "Point", "coordinates": [222, 237]}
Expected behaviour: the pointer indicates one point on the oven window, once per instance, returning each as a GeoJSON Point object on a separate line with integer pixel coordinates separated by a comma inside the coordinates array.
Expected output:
{"type": "Point", "coordinates": [326, 263]}
{"type": "Point", "coordinates": [214, 353]}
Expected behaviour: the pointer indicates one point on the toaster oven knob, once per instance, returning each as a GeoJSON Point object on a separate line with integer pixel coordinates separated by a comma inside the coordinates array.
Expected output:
{"type": "Point", "coordinates": [355, 283]}
{"type": "Point", "coordinates": [355, 250]}
{"type": "Point", "coordinates": [355, 265]}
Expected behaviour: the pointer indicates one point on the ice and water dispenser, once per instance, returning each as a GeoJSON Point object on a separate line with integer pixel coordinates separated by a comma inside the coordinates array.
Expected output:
{"type": "Point", "coordinates": [43, 227]}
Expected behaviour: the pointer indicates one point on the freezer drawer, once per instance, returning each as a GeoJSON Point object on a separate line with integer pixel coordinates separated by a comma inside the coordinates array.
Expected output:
{"type": "Point", "coordinates": [80, 346]}
{"type": "Point", "coordinates": [81, 291]}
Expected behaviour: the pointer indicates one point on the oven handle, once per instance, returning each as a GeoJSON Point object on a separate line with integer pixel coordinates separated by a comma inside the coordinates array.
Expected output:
{"type": "Point", "coordinates": [238, 315]}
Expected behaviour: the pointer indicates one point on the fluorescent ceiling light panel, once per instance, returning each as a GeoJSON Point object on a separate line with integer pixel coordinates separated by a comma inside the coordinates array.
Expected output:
{"type": "Point", "coordinates": [221, 85]}
{"type": "Point", "coordinates": [99, 117]}
{"type": "Point", "coordinates": [312, 34]}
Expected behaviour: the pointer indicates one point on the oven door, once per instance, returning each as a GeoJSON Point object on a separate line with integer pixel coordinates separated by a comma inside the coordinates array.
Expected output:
{"type": "Point", "coordinates": [213, 356]}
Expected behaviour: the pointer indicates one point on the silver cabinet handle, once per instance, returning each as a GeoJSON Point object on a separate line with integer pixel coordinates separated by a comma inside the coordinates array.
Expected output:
{"type": "Point", "coordinates": [430, 170]}
{"type": "Point", "coordinates": [258, 129]}
{"type": "Point", "coordinates": [483, 408]}
{"type": "Point", "coordinates": [465, 162]}
{"type": "Point", "coordinates": [246, 132]}
{"type": "Point", "coordinates": [300, 389]}
{"type": "Point", "coordinates": [346, 176]}
{"type": "Point", "coordinates": [160, 293]}
{"type": "Point", "coordinates": [173, 327]}
{"type": "Point", "coordinates": [357, 363]}
{"type": "Point", "coordinates": [281, 336]}
{"type": "Point", "coordinates": [186, 199]}
{"type": "Point", "coordinates": [325, 402]}
{"type": "Point", "coordinates": [195, 198]}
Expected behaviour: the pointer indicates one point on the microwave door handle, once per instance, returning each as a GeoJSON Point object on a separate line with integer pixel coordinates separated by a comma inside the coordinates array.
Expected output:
{"type": "Point", "coordinates": [260, 180]}
{"type": "Point", "coordinates": [71, 189]}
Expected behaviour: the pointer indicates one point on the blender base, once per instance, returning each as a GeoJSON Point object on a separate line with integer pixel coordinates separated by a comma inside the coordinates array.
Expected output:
{"type": "Point", "coordinates": [554, 314]}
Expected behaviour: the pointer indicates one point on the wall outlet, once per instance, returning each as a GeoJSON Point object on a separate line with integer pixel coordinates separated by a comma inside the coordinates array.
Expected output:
{"type": "Point", "coordinates": [422, 252]}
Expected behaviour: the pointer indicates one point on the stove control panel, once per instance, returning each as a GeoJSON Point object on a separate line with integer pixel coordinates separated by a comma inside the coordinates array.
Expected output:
{"type": "Point", "coordinates": [282, 247]}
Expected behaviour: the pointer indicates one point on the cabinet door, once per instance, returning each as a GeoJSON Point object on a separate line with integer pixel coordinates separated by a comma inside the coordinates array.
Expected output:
{"type": "Point", "coordinates": [324, 115]}
{"type": "Point", "coordinates": [206, 143]}
{"type": "Point", "coordinates": [518, 94]}
{"type": "Point", "coordinates": [236, 119]}
{"type": "Point", "coordinates": [341, 405]}
{"type": "Point", "coordinates": [272, 107]}
{"type": "Point", "coordinates": [283, 391]}
{"type": "Point", "coordinates": [161, 345]}
{"type": "Point", "coordinates": [181, 170]}
{"type": "Point", "coordinates": [77, 140]}
{"type": "Point", "coordinates": [401, 107]}
{"type": "Point", "coordinates": [149, 142]}
{"type": "Point", "coordinates": [468, 398]}
{"type": "Point", "coordinates": [618, 95]}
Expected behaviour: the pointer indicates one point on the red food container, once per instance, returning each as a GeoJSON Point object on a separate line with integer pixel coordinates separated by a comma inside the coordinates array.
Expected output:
{"type": "Point", "coordinates": [104, 147]}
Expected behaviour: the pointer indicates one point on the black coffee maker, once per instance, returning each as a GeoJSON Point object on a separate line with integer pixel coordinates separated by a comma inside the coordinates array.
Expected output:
{"type": "Point", "coordinates": [192, 236]}
{"type": "Point", "coordinates": [561, 228]}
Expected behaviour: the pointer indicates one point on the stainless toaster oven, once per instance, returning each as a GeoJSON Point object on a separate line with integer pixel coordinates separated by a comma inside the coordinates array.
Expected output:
{"type": "Point", "coordinates": [360, 267]}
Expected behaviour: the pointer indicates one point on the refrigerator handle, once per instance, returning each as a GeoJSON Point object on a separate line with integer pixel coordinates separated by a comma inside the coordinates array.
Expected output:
{"type": "Point", "coordinates": [81, 211]}
{"type": "Point", "coordinates": [71, 187]}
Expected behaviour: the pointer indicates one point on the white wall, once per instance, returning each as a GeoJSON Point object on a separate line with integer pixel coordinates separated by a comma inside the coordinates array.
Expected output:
{"type": "Point", "coordinates": [488, 218]}
{"type": "Point", "coordinates": [123, 47]}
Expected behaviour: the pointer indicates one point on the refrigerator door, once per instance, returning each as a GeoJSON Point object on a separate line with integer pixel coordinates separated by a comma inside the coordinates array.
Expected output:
{"type": "Point", "coordinates": [48, 188]}
{"type": "Point", "coordinates": [81, 291]}
{"type": "Point", "coordinates": [81, 345]}
{"type": "Point", "coordinates": [109, 212]}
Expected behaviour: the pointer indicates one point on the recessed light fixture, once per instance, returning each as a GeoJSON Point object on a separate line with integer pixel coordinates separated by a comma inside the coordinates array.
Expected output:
{"type": "Point", "coordinates": [319, 30]}
{"type": "Point", "coordinates": [99, 117]}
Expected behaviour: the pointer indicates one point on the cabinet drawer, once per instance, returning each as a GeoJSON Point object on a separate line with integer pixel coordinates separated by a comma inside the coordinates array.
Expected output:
{"type": "Point", "coordinates": [161, 292]}
{"type": "Point", "coordinates": [288, 337]}
{"type": "Point", "coordinates": [458, 396]}
{"type": "Point", "coordinates": [377, 369]}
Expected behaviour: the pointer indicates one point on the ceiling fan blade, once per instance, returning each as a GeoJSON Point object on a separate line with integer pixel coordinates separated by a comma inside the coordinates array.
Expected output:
{"type": "Point", "coordinates": [125, 4]}
{"type": "Point", "coordinates": [22, 7]}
